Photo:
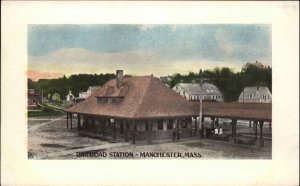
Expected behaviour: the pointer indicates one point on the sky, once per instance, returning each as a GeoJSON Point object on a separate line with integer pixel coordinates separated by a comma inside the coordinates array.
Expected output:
{"type": "Point", "coordinates": [146, 49]}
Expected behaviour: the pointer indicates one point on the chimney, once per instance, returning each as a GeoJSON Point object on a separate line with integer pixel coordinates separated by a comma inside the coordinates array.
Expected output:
{"type": "Point", "coordinates": [119, 74]}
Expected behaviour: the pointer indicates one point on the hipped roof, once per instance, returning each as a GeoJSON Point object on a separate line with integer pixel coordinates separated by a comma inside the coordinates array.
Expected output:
{"type": "Point", "coordinates": [195, 88]}
{"type": "Point", "coordinates": [144, 97]}
{"type": "Point", "coordinates": [247, 111]}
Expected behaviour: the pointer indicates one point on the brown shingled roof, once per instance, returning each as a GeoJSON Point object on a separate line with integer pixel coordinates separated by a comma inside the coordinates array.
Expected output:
{"type": "Point", "coordinates": [248, 111]}
{"type": "Point", "coordinates": [144, 97]}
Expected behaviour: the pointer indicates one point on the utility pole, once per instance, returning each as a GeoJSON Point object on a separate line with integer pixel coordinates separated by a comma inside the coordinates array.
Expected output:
{"type": "Point", "coordinates": [200, 109]}
{"type": "Point", "coordinates": [200, 115]}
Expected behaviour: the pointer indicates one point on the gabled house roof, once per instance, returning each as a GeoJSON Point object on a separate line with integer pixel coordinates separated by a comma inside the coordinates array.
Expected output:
{"type": "Point", "coordinates": [143, 97]}
{"type": "Point", "coordinates": [256, 92]}
{"type": "Point", "coordinates": [189, 88]}
{"type": "Point", "coordinates": [203, 88]}
{"type": "Point", "coordinates": [92, 88]}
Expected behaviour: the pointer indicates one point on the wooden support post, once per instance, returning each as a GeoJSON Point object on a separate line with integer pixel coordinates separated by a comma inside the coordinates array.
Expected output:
{"type": "Point", "coordinates": [202, 127]}
{"type": "Point", "coordinates": [99, 124]}
{"type": "Point", "coordinates": [67, 120]}
{"type": "Point", "coordinates": [94, 125]}
{"type": "Point", "coordinates": [270, 125]}
{"type": "Point", "coordinates": [134, 132]}
{"type": "Point", "coordinates": [196, 126]}
{"type": "Point", "coordinates": [233, 126]}
{"type": "Point", "coordinates": [149, 130]}
{"type": "Point", "coordinates": [255, 129]}
{"type": "Point", "coordinates": [114, 129]}
{"type": "Point", "coordinates": [261, 139]}
{"type": "Point", "coordinates": [217, 122]}
{"type": "Point", "coordinates": [121, 127]}
{"type": "Point", "coordinates": [249, 123]}
{"type": "Point", "coordinates": [212, 122]}
{"type": "Point", "coordinates": [126, 130]}
{"type": "Point", "coordinates": [78, 122]}
{"type": "Point", "coordinates": [71, 119]}
{"type": "Point", "coordinates": [104, 125]}
{"type": "Point", "coordinates": [84, 123]}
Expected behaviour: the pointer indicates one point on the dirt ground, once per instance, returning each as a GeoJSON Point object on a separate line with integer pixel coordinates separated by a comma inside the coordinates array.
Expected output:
{"type": "Point", "coordinates": [51, 136]}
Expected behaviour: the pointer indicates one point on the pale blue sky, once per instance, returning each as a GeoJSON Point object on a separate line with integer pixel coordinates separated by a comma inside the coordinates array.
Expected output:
{"type": "Point", "coordinates": [193, 46]}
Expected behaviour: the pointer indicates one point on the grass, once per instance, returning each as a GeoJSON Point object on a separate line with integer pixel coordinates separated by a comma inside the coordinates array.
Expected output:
{"type": "Point", "coordinates": [47, 111]}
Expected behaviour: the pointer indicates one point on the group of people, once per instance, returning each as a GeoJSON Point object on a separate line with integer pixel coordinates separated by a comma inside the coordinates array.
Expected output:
{"type": "Point", "coordinates": [218, 131]}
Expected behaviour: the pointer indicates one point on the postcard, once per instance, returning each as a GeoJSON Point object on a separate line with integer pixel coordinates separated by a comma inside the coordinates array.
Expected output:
{"type": "Point", "coordinates": [195, 96]}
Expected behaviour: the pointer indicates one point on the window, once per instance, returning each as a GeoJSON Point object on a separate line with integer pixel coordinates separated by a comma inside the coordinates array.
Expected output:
{"type": "Point", "coordinates": [160, 125]}
{"type": "Point", "coordinates": [183, 123]}
{"type": "Point", "coordinates": [170, 124]}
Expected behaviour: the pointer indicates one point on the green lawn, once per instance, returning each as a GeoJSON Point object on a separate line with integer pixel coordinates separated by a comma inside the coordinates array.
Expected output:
{"type": "Point", "coordinates": [47, 111]}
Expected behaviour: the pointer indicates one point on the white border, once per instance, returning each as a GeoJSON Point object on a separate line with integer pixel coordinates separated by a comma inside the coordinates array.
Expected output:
{"type": "Point", "coordinates": [281, 170]}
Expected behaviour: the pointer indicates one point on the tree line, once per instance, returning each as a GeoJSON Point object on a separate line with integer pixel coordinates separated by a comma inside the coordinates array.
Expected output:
{"type": "Point", "coordinates": [76, 83]}
{"type": "Point", "coordinates": [229, 82]}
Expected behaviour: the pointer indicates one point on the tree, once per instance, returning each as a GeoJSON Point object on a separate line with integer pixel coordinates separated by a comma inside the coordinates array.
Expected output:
{"type": "Point", "coordinates": [31, 84]}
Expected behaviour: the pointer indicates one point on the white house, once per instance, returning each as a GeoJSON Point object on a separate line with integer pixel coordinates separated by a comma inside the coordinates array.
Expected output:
{"type": "Point", "coordinates": [192, 91]}
{"type": "Point", "coordinates": [82, 95]}
{"type": "Point", "coordinates": [88, 93]}
{"type": "Point", "coordinates": [91, 90]}
{"type": "Point", "coordinates": [255, 95]}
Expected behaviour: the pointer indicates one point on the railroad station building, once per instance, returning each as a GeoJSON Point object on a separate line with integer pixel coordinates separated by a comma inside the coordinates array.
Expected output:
{"type": "Point", "coordinates": [140, 107]}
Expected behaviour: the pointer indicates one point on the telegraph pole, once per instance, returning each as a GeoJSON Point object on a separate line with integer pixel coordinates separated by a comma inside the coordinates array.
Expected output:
{"type": "Point", "coordinates": [200, 115]}
{"type": "Point", "coordinates": [200, 109]}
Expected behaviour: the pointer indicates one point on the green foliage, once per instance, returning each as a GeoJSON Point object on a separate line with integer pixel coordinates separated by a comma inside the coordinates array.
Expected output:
{"type": "Point", "coordinates": [31, 84]}
{"type": "Point", "coordinates": [45, 112]}
{"type": "Point", "coordinates": [75, 83]}
{"type": "Point", "coordinates": [229, 82]}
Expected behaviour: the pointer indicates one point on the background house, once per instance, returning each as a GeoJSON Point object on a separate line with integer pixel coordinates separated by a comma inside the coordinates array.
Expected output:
{"type": "Point", "coordinates": [91, 90]}
{"type": "Point", "coordinates": [192, 91]}
{"type": "Point", "coordinates": [88, 93]}
{"type": "Point", "coordinates": [33, 100]}
{"type": "Point", "coordinates": [255, 95]}
{"type": "Point", "coordinates": [82, 95]}
{"type": "Point", "coordinates": [55, 97]}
